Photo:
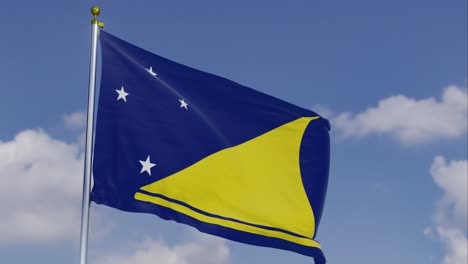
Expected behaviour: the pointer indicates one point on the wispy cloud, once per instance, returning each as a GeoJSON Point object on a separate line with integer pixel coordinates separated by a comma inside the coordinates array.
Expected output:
{"type": "Point", "coordinates": [76, 120]}
{"type": "Point", "coordinates": [410, 120]}
{"type": "Point", "coordinates": [323, 111]}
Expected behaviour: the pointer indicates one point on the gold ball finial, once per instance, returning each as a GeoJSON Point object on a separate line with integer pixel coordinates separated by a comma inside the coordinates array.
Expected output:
{"type": "Point", "coordinates": [95, 11]}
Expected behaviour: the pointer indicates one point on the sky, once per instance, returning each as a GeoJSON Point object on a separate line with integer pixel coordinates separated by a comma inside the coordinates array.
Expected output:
{"type": "Point", "coordinates": [391, 76]}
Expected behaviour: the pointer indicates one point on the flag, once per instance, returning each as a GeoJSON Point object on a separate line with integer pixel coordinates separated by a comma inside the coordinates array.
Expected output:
{"type": "Point", "coordinates": [202, 150]}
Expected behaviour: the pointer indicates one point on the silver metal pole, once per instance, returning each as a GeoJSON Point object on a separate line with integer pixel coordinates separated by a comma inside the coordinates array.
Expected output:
{"type": "Point", "coordinates": [89, 139]}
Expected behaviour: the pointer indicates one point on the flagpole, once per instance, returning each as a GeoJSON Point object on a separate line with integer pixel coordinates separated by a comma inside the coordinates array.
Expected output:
{"type": "Point", "coordinates": [89, 137]}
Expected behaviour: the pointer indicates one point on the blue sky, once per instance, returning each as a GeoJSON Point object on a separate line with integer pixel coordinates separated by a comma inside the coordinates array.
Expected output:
{"type": "Point", "coordinates": [390, 75]}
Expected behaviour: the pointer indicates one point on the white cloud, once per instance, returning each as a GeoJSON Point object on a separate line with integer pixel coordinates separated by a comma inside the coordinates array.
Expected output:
{"type": "Point", "coordinates": [456, 244]}
{"type": "Point", "coordinates": [40, 190]}
{"type": "Point", "coordinates": [75, 120]}
{"type": "Point", "coordinates": [410, 120]}
{"type": "Point", "coordinates": [451, 212]}
{"type": "Point", "coordinates": [203, 249]}
{"type": "Point", "coordinates": [452, 178]}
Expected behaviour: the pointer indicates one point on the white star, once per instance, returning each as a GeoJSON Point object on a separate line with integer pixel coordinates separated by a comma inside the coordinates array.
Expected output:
{"type": "Point", "coordinates": [122, 94]}
{"type": "Point", "coordinates": [147, 165]}
{"type": "Point", "coordinates": [150, 70]}
{"type": "Point", "coordinates": [183, 104]}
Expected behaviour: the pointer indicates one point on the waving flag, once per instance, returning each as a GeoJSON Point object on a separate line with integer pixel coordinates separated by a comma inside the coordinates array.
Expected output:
{"type": "Point", "coordinates": [201, 150]}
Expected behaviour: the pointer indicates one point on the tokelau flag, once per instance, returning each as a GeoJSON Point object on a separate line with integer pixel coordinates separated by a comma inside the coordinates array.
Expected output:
{"type": "Point", "coordinates": [202, 150]}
